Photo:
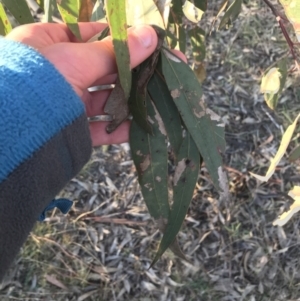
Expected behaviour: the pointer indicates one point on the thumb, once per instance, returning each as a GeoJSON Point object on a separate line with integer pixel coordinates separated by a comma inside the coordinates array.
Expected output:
{"type": "Point", "coordinates": [82, 64]}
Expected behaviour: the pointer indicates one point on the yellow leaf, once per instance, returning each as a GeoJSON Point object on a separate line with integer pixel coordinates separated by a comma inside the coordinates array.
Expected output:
{"type": "Point", "coordinates": [192, 13]}
{"type": "Point", "coordinates": [286, 138]}
{"type": "Point", "coordinates": [270, 83]}
{"type": "Point", "coordinates": [295, 207]}
{"type": "Point", "coordinates": [292, 12]}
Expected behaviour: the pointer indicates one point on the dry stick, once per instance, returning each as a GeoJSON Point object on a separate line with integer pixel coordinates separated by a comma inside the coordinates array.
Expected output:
{"type": "Point", "coordinates": [279, 19]}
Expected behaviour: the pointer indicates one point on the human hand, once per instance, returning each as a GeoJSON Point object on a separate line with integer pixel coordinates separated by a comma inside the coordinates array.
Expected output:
{"type": "Point", "coordinates": [88, 64]}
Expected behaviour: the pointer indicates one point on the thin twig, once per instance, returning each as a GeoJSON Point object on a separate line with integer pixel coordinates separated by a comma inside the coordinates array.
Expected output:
{"type": "Point", "coordinates": [279, 19]}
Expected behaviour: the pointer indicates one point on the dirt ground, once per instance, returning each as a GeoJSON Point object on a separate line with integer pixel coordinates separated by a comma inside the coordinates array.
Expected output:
{"type": "Point", "coordinates": [103, 248]}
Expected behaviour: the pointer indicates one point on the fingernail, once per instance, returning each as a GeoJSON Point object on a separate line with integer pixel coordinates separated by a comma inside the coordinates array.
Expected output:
{"type": "Point", "coordinates": [145, 34]}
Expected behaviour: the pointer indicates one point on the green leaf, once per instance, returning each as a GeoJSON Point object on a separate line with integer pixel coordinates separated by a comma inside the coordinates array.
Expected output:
{"type": "Point", "coordinates": [69, 11]}
{"type": "Point", "coordinates": [184, 182]}
{"type": "Point", "coordinates": [192, 13]}
{"type": "Point", "coordinates": [20, 10]}
{"type": "Point", "coordinates": [231, 13]}
{"type": "Point", "coordinates": [48, 8]}
{"type": "Point", "coordinates": [116, 14]}
{"type": "Point", "coordinates": [150, 156]}
{"type": "Point", "coordinates": [164, 10]}
{"type": "Point", "coordinates": [171, 32]}
{"type": "Point", "coordinates": [5, 26]}
{"type": "Point", "coordinates": [203, 124]}
{"type": "Point", "coordinates": [176, 31]}
{"type": "Point", "coordinates": [177, 9]}
{"type": "Point", "coordinates": [201, 4]}
{"type": "Point", "coordinates": [197, 37]}
{"type": "Point", "coordinates": [163, 101]}
{"type": "Point", "coordinates": [85, 10]}
{"type": "Point", "coordinates": [295, 154]}
{"type": "Point", "coordinates": [136, 101]}
{"type": "Point", "coordinates": [181, 38]}
{"type": "Point", "coordinates": [98, 11]}
{"type": "Point", "coordinates": [140, 80]}
{"type": "Point", "coordinates": [221, 9]}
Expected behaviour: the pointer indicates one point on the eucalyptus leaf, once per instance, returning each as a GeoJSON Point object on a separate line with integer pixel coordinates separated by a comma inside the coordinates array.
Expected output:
{"type": "Point", "coordinates": [48, 8]}
{"type": "Point", "coordinates": [273, 83]}
{"type": "Point", "coordinates": [163, 101]}
{"type": "Point", "coordinates": [98, 13]}
{"type": "Point", "coordinates": [140, 79]}
{"type": "Point", "coordinates": [184, 182]}
{"type": "Point", "coordinates": [150, 156]}
{"type": "Point", "coordinates": [116, 15]}
{"type": "Point", "coordinates": [222, 7]}
{"type": "Point", "coordinates": [69, 11]}
{"type": "Point", "coordinates": [116, 106]}
{"type": "Point", "coordinates": [197, 37]}
{"type": "Point", "coordinates": [201, 4]}
{"type": "Point", "coordinates": [231, 13]}
{"type": "Point", "coordinates": [20, 10]}
{"type": "Point", "coordinates": [192, 13]}
{"type": "Point", "coordinates": [295, 154]}
{"type": "Point", "coordinates": [175, 18]}
{"type": "Point", "coordinates": [5, 26]}
{"type": "Point", "coordinates": [164, 9]}
{"type": "Point", "coordinates": [143, 12]}
{"type": "Point", "coordinates": [202, 123]}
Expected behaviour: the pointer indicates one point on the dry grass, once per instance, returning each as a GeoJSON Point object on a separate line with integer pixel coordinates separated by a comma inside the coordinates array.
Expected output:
{"type": "Point", "coordinates": [103, 248]}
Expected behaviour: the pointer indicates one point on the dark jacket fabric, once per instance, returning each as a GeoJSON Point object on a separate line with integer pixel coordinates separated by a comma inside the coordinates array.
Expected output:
{"type": "Point", "coordinates": [44, 141]}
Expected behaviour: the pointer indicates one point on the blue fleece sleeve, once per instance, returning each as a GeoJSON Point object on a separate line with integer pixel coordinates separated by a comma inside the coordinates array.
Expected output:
{"type": "Point", "coordinates": [44, 141]}
{"type": "Point", "coordinates": [35, 103]}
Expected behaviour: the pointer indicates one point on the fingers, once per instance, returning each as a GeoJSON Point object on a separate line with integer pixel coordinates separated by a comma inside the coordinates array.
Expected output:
{"type": "Point", "coordinates": [40, 35]}
{"type": "Point", "coordinates": [84, 63]}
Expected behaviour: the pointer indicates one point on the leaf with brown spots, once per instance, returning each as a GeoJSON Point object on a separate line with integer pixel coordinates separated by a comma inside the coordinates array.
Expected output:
{"type": "Point", "coordinates": [150, 156]}
{"type": "Point", "coordinates": [116, 106]}
{"type": "Point", "coordinates": [205, 127]}
{"type": "Point", "coordinates": [140, 77]}
{"type": "Point", "coordinates": [164, 103]}
{"type": "Point", "coordinates": [184, 182]}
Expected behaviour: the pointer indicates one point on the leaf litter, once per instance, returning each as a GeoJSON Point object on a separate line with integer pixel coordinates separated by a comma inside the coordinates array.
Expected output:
{"type": "Point", "coordinates": [245, 259]}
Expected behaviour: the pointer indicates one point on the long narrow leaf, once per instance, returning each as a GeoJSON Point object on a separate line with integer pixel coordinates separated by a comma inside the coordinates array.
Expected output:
{"type": "Point", "coordinates": [116, 14]}
{"type": "Point", "coordinates": [5, 26]}
{"type": "Point", "coordinates": [203, 124]}
{"type": "Point", "coordinates": [160, 94]}
{"type": "Point", "coordinates": [201, 4]}
{"type": "Point", "coordinates": [143, 12]}
{"type": "Point", "coordinates": [192, 13]}
{"type": "Point", "coordinates": [231, 13]}
{"type": "Point", "coordinates": [137, 97]}
{"type": "Point", "coordinates": [98, 12]}
{"type": "Point", "coordinates": [140, 80]}
{"type": "Point", "coordinates": [197, 37]}
{"type": "Point", "coordinates": [20, 10]}
{"type": "Point", "coordinates": [185, 178]}
{"type": "Point", "coordinates": [150, 156]}
{"type": "Point", "coordinates": [69, 11]}
{"type": "Point", "coordinates": [48, 8]}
